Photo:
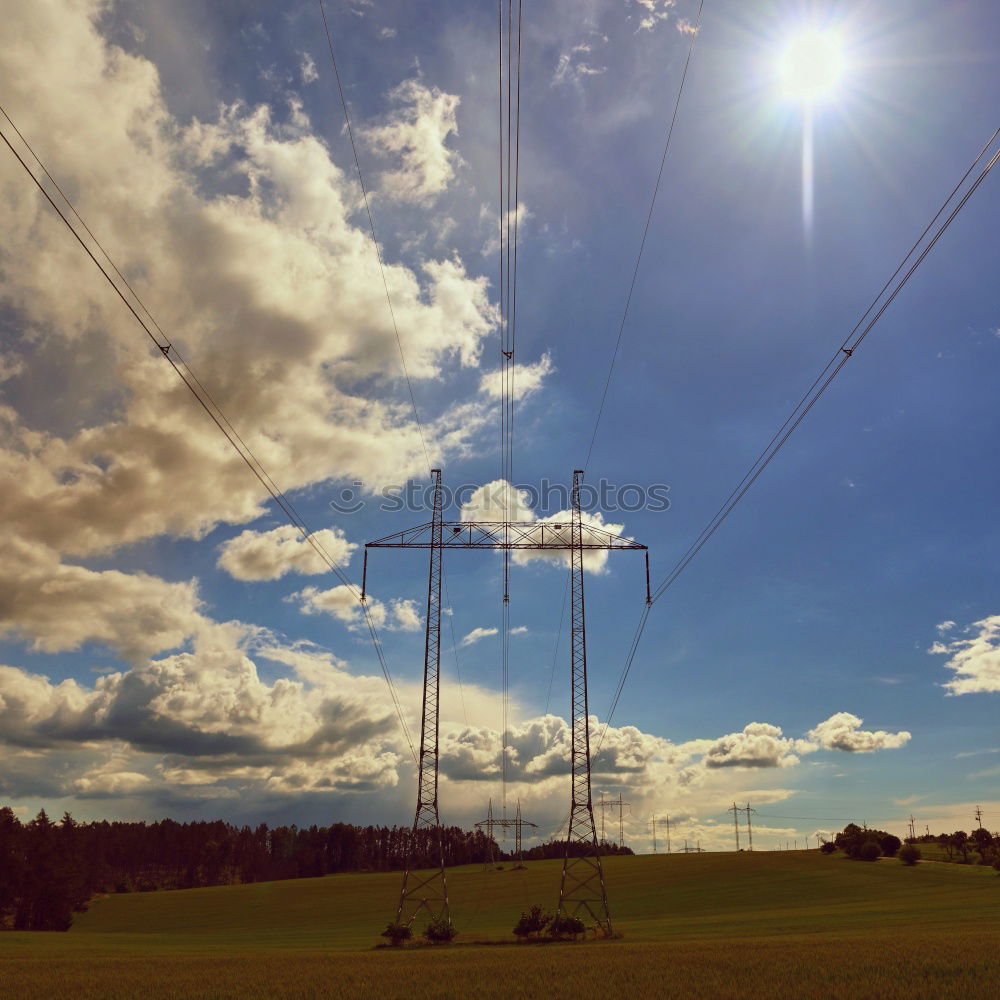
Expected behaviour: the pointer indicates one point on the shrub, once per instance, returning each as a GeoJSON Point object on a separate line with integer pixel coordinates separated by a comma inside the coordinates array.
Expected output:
{"type": "Point", "coordinates": [869, 851]}
{"type": "Point", "coordinates": [567, 926]}
{"type": "Point", "coordinates": [909, 854]}
{"type": "Point", "coordinates": [396, 934]}
{"type": "Point", "coordinates": [439, 930]}
{"type": "Point", "coordinates": [534, 921]}
{"type": "Point", "coordinates": [889, 843]}
{"type": "Point", "coordinates": [827, 847]}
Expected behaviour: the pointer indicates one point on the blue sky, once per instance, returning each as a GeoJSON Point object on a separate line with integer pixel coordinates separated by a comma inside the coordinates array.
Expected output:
{"type": "Point", "coordinates": [168, 648]}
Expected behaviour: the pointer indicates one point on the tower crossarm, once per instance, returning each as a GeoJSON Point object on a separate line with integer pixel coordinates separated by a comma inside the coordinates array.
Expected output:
{"type": "Point", "coordinates": [505, 535]}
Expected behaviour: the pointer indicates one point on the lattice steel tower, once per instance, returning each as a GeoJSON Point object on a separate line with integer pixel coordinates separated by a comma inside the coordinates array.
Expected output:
{"type": "Point", "coordinates": [428, 892]}
{"type": "Point", "coordinates": [582, 891]}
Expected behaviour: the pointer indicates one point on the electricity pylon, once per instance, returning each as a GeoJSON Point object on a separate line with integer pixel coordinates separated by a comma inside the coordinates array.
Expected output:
{"type": "Point", "coordinates": [491, 823]}
{"type": "Point", "coordinates": [749, 809]}
{"type": "Point", "coordinates": [581, 876]}
{"type": "Point", "coordinates": [428, 892]}
{"type": "Point", "coordinates": [736, 810]}
{"type": "Point", "coordinates": [621, 806]}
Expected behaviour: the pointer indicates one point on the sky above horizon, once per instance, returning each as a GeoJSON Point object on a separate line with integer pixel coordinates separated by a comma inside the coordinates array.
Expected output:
{"type": "Point", "coordinates": [167, 644]}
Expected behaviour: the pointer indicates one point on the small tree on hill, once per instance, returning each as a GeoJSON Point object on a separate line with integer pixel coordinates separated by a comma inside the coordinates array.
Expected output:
{"type": "Point", "coordinates": [532, 923]}
{"type": "Point", "coordinates": [440, 930]}
{"type": "Point", "coordinates": [827, 847]}
{"type": "Point", "coordinates": [909, 854]}
{"type": "Point", "coordinates": [397, 934]}
{"type": "Point", "coordinates": [567, 926]}
{"type": "Point", "coordinates": [869, 851]}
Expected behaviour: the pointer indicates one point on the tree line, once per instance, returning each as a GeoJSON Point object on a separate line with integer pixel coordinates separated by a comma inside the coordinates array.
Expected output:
{"type": "Point", "coordinates": [49, 871]}
{"type": "Point", "coordinates": [865, 844]}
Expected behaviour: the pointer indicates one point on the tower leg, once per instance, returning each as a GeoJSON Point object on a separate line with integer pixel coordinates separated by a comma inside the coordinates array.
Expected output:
{"type": "Point", "coordinates": [582, 893]}
{"type": "Point", "coordinates": [426, 893]}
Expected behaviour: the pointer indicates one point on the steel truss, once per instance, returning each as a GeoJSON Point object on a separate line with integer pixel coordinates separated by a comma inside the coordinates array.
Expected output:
{"type": "Point", "coordinates": [491, 823]}
{"type": "Point", "coordinates": [582, 892]}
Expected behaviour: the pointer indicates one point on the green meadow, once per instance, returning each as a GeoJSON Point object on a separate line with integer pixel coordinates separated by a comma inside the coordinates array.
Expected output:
{"type": "Point", "coordinates": [784, 924]}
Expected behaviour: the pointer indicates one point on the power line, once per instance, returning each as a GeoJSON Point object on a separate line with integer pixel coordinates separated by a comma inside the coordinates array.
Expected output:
{"type": "Point", "coordinates": [205, 400]}
{"type": "Point", "coordinates": [645, 233]}
{"type": "Point", "coordinates": [371, 224]}
{"type": "Point", "coordinates": [822, 382]}
{"type": "Point", "coordinates": [392, 316]}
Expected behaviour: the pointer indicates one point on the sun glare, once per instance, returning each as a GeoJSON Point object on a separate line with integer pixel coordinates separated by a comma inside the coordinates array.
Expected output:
{"type": "Point", "coordinates": [811, 66]}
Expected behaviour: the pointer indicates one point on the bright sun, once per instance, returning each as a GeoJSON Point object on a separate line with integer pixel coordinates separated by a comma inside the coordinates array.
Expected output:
{"type": "Point", "coordinates": [811, 65]}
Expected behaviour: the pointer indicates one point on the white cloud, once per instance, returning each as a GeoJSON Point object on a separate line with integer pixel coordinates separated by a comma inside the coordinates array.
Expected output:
{"type": "Point", "coordinates": [487, 504]}
{"type": "Point", "coordinates": [528, 378]}
{"type": "Point", "coordinates": [307, 68]}
{"type": "Point", "coordinates": [417, 132]}
{"type": "Point", "coordinates": [279, 251]}
{"type": "Point", "coordinates": [240, 234]}
{"type": "Point", "coordinates": [757, 745]}
{"type": "Point", "coordinates": [476, 634]}
{"type": "Point", "coordinates": [975, 660]}
{"type": "Point", "coordinates": [57, 607]}
{"type": "Point", "coordinates": [842, 731]}
{"type": "Point", "coordinates": [519, 630]}
{"type": "Point", "coordinates": [342, 602]}
{"type": "Point", "coordinates": [268, 555]}
{"type": "Point", "coordinates": [655, 12]}
{"type": "Point", "coordinates": [946, 626]}
{"type": "Point", "coordinates": [575, 64]}
{"type": "Point", "coordinates": [387, 33]}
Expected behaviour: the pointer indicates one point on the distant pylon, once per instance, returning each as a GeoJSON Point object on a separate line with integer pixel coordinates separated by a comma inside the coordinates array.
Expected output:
{"type": "Point", "coordinates": [749, 810]}
{"type": "Point", "coordinates": [582, 892]}
{"type": "Point", "coordinates": [735, 810]}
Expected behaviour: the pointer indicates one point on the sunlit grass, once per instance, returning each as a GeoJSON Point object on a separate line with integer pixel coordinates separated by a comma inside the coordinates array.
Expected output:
{"type": "Point", "coordinates": [714, 925]}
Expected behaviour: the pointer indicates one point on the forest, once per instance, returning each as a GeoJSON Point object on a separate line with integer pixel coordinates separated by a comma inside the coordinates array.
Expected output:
{"type": "Point", "coordinates": [49, 870]}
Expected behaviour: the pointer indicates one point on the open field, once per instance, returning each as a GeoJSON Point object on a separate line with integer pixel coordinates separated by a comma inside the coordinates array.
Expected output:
{"type": "Point", "coordinates": [713, 925]}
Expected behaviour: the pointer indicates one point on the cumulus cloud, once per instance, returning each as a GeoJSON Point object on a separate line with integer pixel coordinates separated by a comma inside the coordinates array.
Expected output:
{"type": "Point", "coordinates": [842, 731]}
{"type": "Point", "coordinates": [945, 626]}
{"type": "Point", "coordinates": [268, 555]}
{"type": "Point", "coordinates": [240, 233]}
{"type": "Point", "coordinates": [975, 660]}
{"type": "Point", "coordinates": [487, 503]}
{"type": "Point", "coordinates": [757, 745]}
{"type": "Point", "coordinates": [342, 602]}
{"type": "Point", "coordinates": [279, 251]}
{"type": "Point", "coordinates": [417, 133]}
{"type": "Point", "coordinates": [205, 718]}
{"type": "Point", "coordinates": [56, 607]}
{"type": "Point", "coordinates": [476, 634]}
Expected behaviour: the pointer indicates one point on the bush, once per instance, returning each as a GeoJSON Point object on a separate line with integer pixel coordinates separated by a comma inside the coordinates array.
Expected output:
{"type": "Point", "coordinates": [396, 934]}
{"type": "Point", "coordinates": [440, 930]}
{"type": "Point", "coordinates": [909, 854]}
{"type": "Point", "coordinates": [827, 847]}
{"type": "Point", "coordinates": [869, 851]}
{"type": "Point", "coordinates": [890, 844]}
{"type": "Point", "coordinates": [567, 926]}
{"type": "Point", "coordinates": [534, 921]}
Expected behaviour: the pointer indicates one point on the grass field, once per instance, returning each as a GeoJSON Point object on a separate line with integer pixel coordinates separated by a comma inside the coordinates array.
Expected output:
{"type": "Point", "coordinates": [788, 924]}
